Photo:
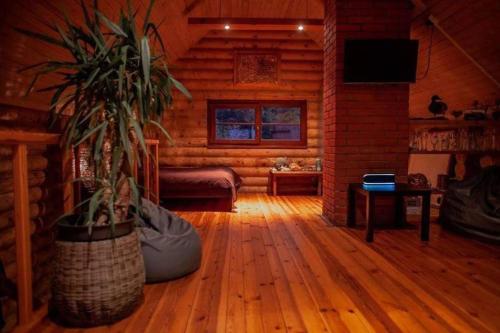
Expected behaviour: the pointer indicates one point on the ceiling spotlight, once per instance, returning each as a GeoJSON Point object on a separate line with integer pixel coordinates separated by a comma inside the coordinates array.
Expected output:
{"type": "Point", "coordinates": [300, 27]}
{"type": "Point", "coordinates": [227, 26]}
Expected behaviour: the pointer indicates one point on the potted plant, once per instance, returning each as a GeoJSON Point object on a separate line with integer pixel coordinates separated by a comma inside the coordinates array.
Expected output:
{"type": "Point", "coordinates": [114, 85]}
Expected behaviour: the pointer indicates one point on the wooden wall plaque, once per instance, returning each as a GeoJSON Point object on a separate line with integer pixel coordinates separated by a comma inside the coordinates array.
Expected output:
{"type": "Point", "coordinates": [256, 67]}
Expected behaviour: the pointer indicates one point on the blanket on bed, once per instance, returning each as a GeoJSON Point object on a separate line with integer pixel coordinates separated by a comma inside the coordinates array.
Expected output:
{"type": "Point", "coordinates": [202, 181]}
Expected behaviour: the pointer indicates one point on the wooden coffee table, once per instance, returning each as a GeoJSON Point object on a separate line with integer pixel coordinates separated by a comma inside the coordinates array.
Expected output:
{"type": "Point", "coordinates": [274, 175]}
{"type": "Point", "coordinates": [399, 192]}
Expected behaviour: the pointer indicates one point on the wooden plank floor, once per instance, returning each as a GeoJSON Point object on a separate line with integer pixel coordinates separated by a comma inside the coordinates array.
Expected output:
{"type": "Point", "coordinates": [275, 266]}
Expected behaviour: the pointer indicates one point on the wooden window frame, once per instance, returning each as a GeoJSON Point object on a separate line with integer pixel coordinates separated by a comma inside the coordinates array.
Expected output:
{"type": "Point", "coordinates": [213, 142]}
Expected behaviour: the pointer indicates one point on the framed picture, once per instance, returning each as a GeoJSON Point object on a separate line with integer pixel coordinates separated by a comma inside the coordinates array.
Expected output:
{"type": "Point", "coordinates": [256, 67]}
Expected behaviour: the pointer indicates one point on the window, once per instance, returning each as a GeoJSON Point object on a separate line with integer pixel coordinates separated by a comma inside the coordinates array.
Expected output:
{"type": "Point", "coordinates": [257, 123]}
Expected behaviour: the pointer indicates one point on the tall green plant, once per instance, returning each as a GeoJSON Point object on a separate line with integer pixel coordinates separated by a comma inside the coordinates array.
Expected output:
{"type": "Point", "coordinates": [116, 85]}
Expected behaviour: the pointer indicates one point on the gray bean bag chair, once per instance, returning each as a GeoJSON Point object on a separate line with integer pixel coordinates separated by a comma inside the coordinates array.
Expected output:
{"type": "Point", "coordinates": [170, 245]}
{"type": "Point", "coordinates": [473, 206]}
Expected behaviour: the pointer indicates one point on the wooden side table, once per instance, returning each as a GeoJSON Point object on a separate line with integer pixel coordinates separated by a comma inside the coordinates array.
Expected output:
{"type": "Point", "coordinates": [274, 175]}
{"type": "Point", "coordinates": [399, 192]}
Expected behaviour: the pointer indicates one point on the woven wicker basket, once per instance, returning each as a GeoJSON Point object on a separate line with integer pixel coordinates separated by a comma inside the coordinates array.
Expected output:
{"type": "Point", "coordinates": [97, 283]}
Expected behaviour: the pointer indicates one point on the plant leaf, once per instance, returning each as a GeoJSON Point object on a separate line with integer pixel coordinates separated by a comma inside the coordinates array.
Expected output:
{"type": "Point", "coordinates": [148, 14]}
{"type": "Point", "coordinates": [39, 36]}
{"type": "Point", "coordinates": [163, 130]}
{"type": "Point", "coordinates": [95, 201]}
{"type": "Point", "coordinates": [180, 87]}
{"type": "Point", "coordinates": [140, 135]}
{"type": "Point", "coordinates": [146, 58]}
{"type": "Point", "coordinates": [89, 133]}
{"type": "Point", "coordinates": [99, 142]}
{"type": "Point", "coordinates": [111, 25]}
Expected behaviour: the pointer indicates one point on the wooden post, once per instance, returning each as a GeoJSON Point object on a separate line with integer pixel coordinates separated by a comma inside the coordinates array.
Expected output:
{"type": "Point", "coordinates": [146, 171]}
{"type": "Point", "coordinates": [156, 175]}
{"type": "Point", "coordinates": [23, 234]}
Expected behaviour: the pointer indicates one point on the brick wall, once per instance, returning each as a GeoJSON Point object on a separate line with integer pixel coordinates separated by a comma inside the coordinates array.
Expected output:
{"type": "Point", "coordinates": [366, 126]}
{"type": "Point", "coordinates": [475, 25]}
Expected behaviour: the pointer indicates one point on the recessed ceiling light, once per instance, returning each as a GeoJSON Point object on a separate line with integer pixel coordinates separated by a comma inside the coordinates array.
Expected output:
{"type": "Point", "coordinates": [227, 26]}
{"type": "Point", "coordinates": [300, 27]}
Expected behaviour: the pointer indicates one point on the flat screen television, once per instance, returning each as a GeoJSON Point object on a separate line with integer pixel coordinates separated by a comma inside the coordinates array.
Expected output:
{"type": "Point", "coordinates": [380, 60]}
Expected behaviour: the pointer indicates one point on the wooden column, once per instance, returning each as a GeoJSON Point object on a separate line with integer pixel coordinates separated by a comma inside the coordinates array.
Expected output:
{"type": "Point", "coordinates": [156, 174]}
{"type": "Point", "coordinates": [146, 170]}
{"type": "Point", "coordinates": [23, 234]}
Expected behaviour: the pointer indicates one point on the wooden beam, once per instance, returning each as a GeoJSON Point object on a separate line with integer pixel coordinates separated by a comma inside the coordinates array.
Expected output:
{"type": "Point", "coordinates": [16, 137]}
{"type": "Point", "coordinates": [249, 23]}
{"type": "Point", "coordinates": [23, 235]}
{"type": "Point", "coordinates": [189, 8]}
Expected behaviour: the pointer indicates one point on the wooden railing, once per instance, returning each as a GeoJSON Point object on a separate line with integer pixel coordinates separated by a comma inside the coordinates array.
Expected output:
{"type": "Point", "coordinates": [151, 176]}
{"type": "Point", "coordinates": [20, 140]}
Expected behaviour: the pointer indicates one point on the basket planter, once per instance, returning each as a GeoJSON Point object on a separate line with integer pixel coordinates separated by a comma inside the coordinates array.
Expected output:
{"type": "Point", "coordinates": [97, 281]}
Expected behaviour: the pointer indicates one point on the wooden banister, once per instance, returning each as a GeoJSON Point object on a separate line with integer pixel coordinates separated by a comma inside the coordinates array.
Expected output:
{"type": "Point", "coordinates": [151, 176]}
{"type": "Point", "coordinates": [20, 140]}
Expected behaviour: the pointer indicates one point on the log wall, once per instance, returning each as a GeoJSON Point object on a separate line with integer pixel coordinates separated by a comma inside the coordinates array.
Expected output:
{"type": "Point", "coordinates": [43, 212]}
{"type": "Point", "coordinates": [207, 71]}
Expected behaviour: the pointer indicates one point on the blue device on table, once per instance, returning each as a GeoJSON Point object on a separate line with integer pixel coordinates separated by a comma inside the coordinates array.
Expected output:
{"type": "Point", "coordinates": [379, 182]}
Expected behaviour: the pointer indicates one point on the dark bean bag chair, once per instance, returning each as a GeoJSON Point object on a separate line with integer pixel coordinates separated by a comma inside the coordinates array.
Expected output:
{"type": "Point", "coordinates": [473, 206]}
{"type": "Point", "coordinates": [171, 246]}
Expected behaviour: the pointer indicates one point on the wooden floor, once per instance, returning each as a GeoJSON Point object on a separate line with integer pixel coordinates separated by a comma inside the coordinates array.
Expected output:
{"type": "Point", "coordinates": [276, 266]}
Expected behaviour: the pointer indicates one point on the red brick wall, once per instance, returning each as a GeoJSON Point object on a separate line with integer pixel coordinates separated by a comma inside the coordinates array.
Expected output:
{"type": "Point", "coordinates": [475, 25]}
{"type": "Point", "coordinates": [366, 126]}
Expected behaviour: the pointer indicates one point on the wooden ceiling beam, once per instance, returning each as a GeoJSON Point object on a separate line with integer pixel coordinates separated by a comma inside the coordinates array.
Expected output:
{"type": "Point", "coordinates": [249, 23]}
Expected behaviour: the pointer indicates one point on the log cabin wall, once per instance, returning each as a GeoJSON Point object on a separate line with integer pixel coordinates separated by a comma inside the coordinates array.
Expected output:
{"type": "Point", "coordinates": [207, 71]}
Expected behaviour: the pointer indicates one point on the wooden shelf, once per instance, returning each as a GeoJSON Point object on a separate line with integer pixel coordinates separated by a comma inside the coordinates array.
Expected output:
{"type": "Point", "coordinates": [431, 123]}
{"type": "Point", "coordinates": [454, 152]}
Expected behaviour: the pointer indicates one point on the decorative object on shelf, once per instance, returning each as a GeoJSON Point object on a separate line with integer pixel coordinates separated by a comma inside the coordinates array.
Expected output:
{"type": "Point", "coordinates": [477, 113]}
{"type": "Point", "coordinates": [116, 85]}
{"type": "Point", "coordinates": [319, 165]}
{"type": "Point", "coordinates": [281, 163]}
{"type": "Point", "coordinates": [254, 67]}
{"type": "Point", "coordinates": [437, 107]}
{"type": "Point", "coordinates": [457, 113]}
{"type": "Point", "coordinates": [294, 166]}
{"type": "Point", "coordinates": [418, 180]}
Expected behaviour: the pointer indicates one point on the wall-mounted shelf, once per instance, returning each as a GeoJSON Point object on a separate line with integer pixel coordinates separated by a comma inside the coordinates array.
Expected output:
{"type": "Point", "coordinates": [436, 123]}
{"type": "Point", "coordinates": [486, 152]}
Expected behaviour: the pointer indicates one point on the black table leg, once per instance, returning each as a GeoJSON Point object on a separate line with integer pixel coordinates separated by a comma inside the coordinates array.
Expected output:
{"type": "Point", "coordinates": [399, 209]}
{"type": "Point", "coordinates": [351, 207]}
{"type": "Point", "coordinates": [426, 216]}
{"type": "Point", "coordinates": [370, 216]}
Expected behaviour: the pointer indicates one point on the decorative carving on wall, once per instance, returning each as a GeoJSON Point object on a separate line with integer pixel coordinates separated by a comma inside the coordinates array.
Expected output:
{"type": "Point", "coordinates": [454, 139]}
{"type": "Point", "coordinates": [256, 67]}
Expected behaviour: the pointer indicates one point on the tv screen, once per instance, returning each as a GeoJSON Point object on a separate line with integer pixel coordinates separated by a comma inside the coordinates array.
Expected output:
{"type": "Point", "coordinates": [380, 60]}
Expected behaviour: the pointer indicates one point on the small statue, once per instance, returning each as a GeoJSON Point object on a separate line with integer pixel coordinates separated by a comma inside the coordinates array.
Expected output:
{"type": "Point", "coordinates": [281, 163]}
{"type": "Point", "coordinates": [437, 107]}
{"type": "Point", "coordinates": [477, 113]}
{"type": "Point", "coordinates": [294, 166]}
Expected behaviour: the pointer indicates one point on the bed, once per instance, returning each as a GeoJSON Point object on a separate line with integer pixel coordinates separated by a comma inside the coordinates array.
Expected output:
{"type": "Point", "coordinates": [199, 189]}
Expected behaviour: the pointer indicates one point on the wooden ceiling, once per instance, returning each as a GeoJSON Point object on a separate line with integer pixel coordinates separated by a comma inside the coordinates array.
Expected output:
{"type": "Point", "coordinates": [258, 8]}
{"type": "Point", "coordinates": [17, 50]}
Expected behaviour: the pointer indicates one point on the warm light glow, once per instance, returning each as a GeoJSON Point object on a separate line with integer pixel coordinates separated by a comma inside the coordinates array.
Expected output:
{"type": "Point", "coordinates": [300, 27]}
{"type": "Point", "coordinates": [227, 27]}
